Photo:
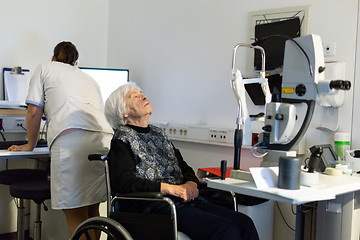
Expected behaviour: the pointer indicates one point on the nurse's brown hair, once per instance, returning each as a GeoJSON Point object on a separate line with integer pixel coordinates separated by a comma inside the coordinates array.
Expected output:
{"type": "Point", "coordinates": [66, 52]}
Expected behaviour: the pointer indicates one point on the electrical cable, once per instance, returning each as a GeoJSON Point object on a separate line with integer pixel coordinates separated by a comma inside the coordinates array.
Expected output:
{"type": "Point", "coordinates": [2, 135]}
{"type": "Point", "coordinates": [258, 42]}
{"type": "Point", "coordinates": [20, 125]}
{"type": "Point", "coordinates": [258, 156]}
{"type": "Point", "coordinates": [292, 209]}
{"type": "Point", "coordinates": [306, 163]}
{"type": "Point", "coordinates": [282, 216]}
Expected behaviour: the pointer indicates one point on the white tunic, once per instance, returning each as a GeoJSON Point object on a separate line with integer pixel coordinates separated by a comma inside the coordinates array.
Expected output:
{"type": "Point", "coordinates": [72, 100]}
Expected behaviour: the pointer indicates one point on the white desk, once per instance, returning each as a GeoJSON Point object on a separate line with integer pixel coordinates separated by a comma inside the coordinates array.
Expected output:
{"type": "Point", "coordinates": [41, 152]}
{"type": "Point", "coordinates": [329, 187]}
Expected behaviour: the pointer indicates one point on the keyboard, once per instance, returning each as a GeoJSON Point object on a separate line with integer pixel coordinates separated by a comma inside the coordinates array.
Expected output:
{"type": "Point", "coordinates": [6, 144]}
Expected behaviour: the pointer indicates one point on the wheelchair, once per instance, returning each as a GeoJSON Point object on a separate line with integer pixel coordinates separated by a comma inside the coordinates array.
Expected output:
{"type": "Point", "coordinates": [128, 225]}
{"type": "Point", "coordinates": [120, 224]}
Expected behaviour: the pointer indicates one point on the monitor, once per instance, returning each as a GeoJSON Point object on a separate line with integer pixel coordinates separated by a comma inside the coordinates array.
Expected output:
{"type": "Point", "coordinates": [328, 158]}
{"type": "Point", "coordinates": [108, 79]}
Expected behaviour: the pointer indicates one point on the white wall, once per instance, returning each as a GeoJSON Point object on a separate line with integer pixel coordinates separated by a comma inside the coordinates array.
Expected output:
{"type": "Point", "coordinates": [29, 32]}
{"type": "Point", "coordinates": [31, 29]}
{"type": "Point", "coordinates": [180, 53]}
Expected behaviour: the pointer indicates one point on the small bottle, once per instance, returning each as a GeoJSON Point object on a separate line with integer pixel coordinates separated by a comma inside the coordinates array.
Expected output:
{"type": "Point", "coordinates": [341, 143]}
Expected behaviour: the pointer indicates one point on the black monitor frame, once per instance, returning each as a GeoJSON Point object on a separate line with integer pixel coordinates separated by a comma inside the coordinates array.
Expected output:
{"type": "Point", "coordinates": [328, 158]}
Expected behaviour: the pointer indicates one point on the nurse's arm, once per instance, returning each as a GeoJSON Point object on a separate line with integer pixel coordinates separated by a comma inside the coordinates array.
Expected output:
{"type": "Point", "coordinates": [33, 120]}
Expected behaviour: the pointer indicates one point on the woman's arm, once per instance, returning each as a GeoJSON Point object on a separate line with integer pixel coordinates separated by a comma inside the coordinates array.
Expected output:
{"type": "Point", "coordinates": [187, 191]}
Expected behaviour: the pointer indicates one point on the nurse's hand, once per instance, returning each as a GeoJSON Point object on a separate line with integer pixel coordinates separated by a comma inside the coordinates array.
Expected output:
{"type": "Point", "coordinates": [19, 148]}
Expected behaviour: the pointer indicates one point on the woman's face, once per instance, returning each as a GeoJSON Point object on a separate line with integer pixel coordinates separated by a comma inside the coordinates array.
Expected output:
{"type": "Point", "coordinates": [137, 105]}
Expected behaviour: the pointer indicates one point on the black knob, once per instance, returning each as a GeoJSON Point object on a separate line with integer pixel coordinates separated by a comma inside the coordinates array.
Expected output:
{"type": "Point", "coordinates": [267, 128]}
{"type": "Point", "coordinates": [300, 90]}
{"type": "Point", "coordinates": [321, 69]}
{"type": "Point", "coordinates": [223, 169]}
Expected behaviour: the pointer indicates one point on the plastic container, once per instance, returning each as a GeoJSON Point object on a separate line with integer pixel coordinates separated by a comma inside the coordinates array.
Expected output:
{"type": "Point", "coordinates": [341, 144]}
{"type": "Point", "coordinates": [354, 162]}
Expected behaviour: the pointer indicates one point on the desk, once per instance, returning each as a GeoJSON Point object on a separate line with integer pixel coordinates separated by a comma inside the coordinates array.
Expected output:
{"type": "Point", "coordinates": [9, 111]}
{"type": "Point", "coordinates": [42, 152]}
{"type": "Point", "coordinates": [329, 188]}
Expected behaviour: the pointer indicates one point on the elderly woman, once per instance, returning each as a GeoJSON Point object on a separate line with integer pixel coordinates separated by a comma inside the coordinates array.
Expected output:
{"type": "Point", "coordinates": [144, 160]}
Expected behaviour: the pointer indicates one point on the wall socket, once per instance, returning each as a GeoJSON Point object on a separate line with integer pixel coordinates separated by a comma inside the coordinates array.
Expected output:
{"type": "Point", "coordinates": [14, 124]}
{"type": "Point", "coordinates": [20, 123]}
{"type": "Point", "coordinates": [177, 132]}
{"type": "Point", "coordinates": [216, 135]}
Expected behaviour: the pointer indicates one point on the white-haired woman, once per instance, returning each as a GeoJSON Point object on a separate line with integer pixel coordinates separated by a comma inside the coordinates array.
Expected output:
{"type": "Point", "coordinates": [144, 160]}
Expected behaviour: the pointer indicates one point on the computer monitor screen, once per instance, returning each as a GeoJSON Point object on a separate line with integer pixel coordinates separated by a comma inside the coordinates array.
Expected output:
{"type": "Point", "coordinates": [108, 79]}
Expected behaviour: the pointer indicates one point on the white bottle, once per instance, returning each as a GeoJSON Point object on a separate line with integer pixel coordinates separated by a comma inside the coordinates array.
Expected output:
{"type": "Point", "coordinates": [341, 143]}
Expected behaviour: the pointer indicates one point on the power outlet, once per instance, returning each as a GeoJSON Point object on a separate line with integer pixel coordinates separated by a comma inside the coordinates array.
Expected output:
{"type": "Point", "coordinates": [177, 132]}
{"type": "Point", "coordinates": [19, 124]}
{"type": "Point", "coordinates": [218, 135]}
{"type": "Point", "coordinates": [11, 124]}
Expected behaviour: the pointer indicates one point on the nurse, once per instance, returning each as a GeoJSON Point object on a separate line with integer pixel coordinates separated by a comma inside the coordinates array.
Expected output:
{"type": "Point", "coordinates": [72, 102]}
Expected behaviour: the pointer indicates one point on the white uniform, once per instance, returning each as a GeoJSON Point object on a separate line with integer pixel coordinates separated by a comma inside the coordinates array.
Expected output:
{"type": "Point", "coordinates": [71, 100]}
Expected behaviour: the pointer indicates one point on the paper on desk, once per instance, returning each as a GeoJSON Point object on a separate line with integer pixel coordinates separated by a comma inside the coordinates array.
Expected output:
{"type": "Point", "coordinates": [16, 86]}
{"type": "Point", "coordinates": [266, 180]}
{"type": "Point", "coordinates": [265, 177]}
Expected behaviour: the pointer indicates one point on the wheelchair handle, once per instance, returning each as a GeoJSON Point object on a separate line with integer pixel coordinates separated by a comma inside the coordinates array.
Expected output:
{"type": "Point", "coordinates": [97, 157]}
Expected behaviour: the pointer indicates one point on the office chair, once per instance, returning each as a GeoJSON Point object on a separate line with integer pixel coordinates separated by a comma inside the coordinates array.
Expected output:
{"type": "Point", "coordinates": [13, 176]}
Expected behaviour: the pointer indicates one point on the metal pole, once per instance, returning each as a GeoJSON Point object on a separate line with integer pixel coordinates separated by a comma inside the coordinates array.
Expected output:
{"type": "Point", "coordinates": [20, 221]}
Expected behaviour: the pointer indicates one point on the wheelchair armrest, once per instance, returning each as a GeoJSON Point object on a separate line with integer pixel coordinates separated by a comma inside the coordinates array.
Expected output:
{"type": "Point", "coordinates": [154, 195]}
{"type": "Point", "coordinates": [202, 184]}
{"type": "Point", "coordinates": [97, 157]}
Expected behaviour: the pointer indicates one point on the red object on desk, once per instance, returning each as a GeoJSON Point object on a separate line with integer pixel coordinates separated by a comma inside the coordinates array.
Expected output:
{"type": "Point", "coordinates": [215, 170]}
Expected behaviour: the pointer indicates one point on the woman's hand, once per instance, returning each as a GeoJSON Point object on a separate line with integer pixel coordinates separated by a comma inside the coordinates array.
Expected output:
{"type": "Point", "coordinates": [187, 191]}
{"type": "Point", "coordinates": [18, 148]}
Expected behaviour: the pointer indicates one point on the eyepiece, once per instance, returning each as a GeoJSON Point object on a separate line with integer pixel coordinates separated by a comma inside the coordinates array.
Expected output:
{"type": "Point", "coordinates": [340, 84]}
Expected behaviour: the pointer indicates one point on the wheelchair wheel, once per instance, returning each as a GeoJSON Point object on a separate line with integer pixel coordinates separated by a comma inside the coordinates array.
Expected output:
{"type": "Point", "coordinates": [112, 229]}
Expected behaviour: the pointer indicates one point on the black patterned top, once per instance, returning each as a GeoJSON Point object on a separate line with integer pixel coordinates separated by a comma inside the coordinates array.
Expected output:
{"type": "Point", "coordinates": [142, 158]}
